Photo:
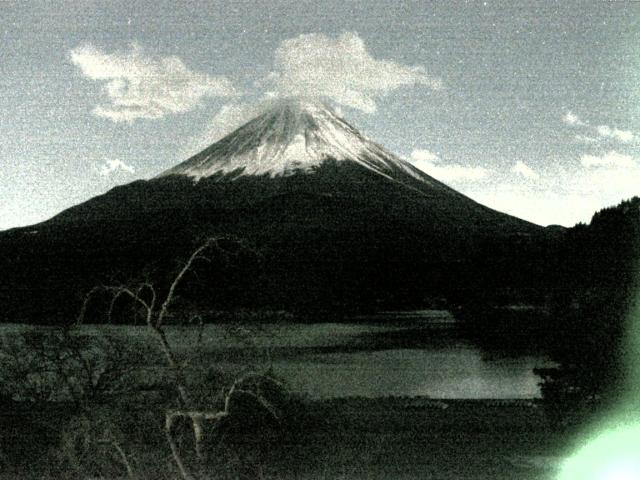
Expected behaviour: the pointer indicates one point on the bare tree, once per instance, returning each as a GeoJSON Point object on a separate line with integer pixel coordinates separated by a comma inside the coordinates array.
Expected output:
{"type": "Point", "coordinates": [155, 306]}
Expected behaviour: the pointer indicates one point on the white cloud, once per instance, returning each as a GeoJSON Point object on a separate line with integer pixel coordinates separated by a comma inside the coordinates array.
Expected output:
{"type": "Point", "coordinates": [546, 207]}
{"type": "Point", "coordinates": [112, 166]}
{"type": "Point", "coordinates": [143, 86]}
{"type": "Point", "coordinates": [571, 118]}
{"type": "Point", "coordinates": [524, 170]}
{"type": "Point", "coordinates": [421, 155]}
{"type": "Point", "coordinates": [608, 185]}
{"type": "Point", "coordinates": [610, 159]}
{"type": "Point", "coordinates": [458, 173]}
{"type": "Point", "coordinates": [341, 69]}
{"type": "Point", "coordinates": [317, 66]}
{"type": "Point", "coordinates": [567, 198]}
{"type": "Point", "coordinates": [624, 136]}
{"type": "Point", "coordinates": [604, 131]}
{"type": "Point", "coordinates": [431, 164]}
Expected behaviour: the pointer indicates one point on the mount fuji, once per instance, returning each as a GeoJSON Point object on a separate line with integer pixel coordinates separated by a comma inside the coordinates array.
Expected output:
{"type": "Point", "coordinates": [299, 136]}
{"type": "Point", "coordinates": [337, 221]}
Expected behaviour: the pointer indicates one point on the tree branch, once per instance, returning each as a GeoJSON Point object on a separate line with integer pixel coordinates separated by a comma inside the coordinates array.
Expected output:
{"type": "Point", "coordinates": [197, 254]}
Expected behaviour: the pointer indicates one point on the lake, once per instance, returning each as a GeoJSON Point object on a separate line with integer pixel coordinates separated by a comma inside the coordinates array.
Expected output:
{"type": "Point", "coordinates": [457, 371]}
{"type": "Point", "coordinates": [415, 355]}
{"type": "Point", "coordinates": [397, 354]}
{"type": "Point", "coordinates": [418, 353]}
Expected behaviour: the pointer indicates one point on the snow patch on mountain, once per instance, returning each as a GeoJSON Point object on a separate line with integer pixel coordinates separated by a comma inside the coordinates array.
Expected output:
{"type": "Point", "coordinates": [293, 135]}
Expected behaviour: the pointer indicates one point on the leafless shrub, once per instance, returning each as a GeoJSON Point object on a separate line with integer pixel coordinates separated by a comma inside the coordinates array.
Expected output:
{"type": "Point", "coordinates": [154, 304]}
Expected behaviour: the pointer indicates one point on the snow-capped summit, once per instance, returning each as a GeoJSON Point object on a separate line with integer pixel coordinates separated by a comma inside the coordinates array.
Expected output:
{"type": "Point", "coordinates": [292, 135]}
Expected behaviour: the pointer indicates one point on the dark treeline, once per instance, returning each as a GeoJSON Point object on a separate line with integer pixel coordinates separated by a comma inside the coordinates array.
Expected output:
{"type": "Point", "coordinates": [592, 299]}
{"type": "Point", "coordinates": [314, 275]}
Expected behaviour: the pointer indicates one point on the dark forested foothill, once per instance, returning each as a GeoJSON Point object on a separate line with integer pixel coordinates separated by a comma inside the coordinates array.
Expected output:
{"type": "Point", "coordinates": [593, 295]}
{"type": "Point", "coordinates": [341, 238]}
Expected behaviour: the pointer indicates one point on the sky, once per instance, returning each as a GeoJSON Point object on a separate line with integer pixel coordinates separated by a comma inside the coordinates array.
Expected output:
{"type": "Point", "coordinates": [532, 108]}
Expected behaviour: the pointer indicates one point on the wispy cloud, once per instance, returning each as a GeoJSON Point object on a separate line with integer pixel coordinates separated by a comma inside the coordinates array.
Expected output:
{"type": "Point", "coordinates": [624, 136]}
{"type": "Point", "coordinates": [143, 86]}
{"type": "Point", "coordinates": [597, 133]}
{"type": "Point", "coordinates": [341, 69]}
{"type": "Point", "coordinates": [609, 184]}
{"type": "Point", "coordinates": [524, 170]}
{"type": "Point", "coordinates": [571, 118]}
{"type": "Point", "coordinates": [431, 164]}
{"type": "Point", "coordinates": [610, 159]}
{"type": "Point", "coordinates": [113, 166]}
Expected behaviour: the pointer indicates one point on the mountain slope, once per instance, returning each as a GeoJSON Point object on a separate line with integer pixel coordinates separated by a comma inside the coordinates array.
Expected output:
{"type": "Point", "coordinates": [301, 146]}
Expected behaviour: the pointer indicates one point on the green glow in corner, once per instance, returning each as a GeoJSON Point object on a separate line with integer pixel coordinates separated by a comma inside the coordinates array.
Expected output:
{"type": "Point", "coordinates": [613, 453]}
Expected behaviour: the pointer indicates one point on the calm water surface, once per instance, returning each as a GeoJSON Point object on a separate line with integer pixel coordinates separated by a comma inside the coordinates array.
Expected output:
{"type": "Point", "coordinates": [400, 354]}
{"type": "Point", "coordinates": [408, 354]}
{"type": "Point", "coordinates": [457, 371]}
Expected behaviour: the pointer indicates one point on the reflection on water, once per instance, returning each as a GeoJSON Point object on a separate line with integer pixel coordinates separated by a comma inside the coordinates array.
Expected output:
{"type": "Point", "coordinates": [456, 371]}
{"type": "Point", "coordinates": [420, 354]}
